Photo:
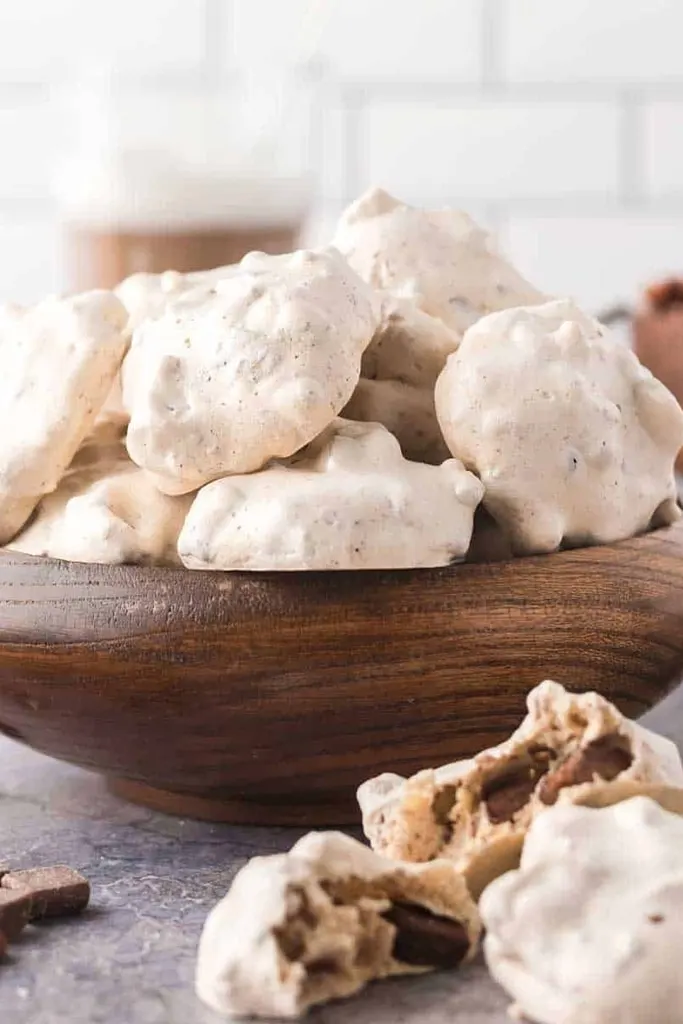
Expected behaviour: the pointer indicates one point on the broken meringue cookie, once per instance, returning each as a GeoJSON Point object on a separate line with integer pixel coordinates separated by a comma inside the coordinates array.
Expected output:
{"type": "Point", "coordinates": [348, 501]}
{"type": "Point", "coordinates": [439, 259]}
{"type": "Point", "coordinates": [570, 748]}
{"type": "Point", "coordinates": [249, 369]}
{"type": "Point", "coordinates": [321, 921]}
{"type": "Point", "coordinates": [61, 357]}
{"type": "Point", "coordinates": [589, 929]}
{"type": "Point", "coordinates": [105, 510]}
{"type": "Point", "coordinates": [398, 372]}
{"type": "Point", "coordinates": [572, 438]}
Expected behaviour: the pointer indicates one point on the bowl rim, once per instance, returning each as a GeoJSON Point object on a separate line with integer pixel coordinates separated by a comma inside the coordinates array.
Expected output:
{"type": "Point", "coordinates": [672, 533]}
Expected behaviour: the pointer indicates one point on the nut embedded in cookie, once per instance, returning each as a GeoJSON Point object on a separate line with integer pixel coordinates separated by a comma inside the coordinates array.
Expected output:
{"type": "Point", "coordinates": [323, 920]}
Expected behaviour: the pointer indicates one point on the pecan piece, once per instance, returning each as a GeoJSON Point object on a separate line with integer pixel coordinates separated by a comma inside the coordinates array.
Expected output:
{"type": "Point", "coordinates": [509, 788]}
{"type": "Point", "coordinates": [606, 757]}
{"type": "Point", "coordinates": [52, 892]}
{"type": "Point", "coordinates": [15, 913]}
{"type": "Point", "coordinates": [425, 939]}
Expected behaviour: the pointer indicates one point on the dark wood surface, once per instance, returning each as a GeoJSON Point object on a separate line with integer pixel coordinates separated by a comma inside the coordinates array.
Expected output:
{"type": "Point", "coordinates": [268, 697]}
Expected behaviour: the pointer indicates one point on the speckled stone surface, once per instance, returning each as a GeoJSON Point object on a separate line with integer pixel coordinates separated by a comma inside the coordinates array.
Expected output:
{"type": "Point", "coordinates": [130, 958]}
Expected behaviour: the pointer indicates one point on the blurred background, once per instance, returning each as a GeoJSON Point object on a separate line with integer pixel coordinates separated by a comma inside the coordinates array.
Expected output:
{"type": "Point", "coordinates": [141, 134]}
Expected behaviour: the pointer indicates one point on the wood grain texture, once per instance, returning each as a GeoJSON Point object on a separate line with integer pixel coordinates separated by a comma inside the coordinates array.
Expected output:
{"type": "Point", "coordinates": [270, 696]}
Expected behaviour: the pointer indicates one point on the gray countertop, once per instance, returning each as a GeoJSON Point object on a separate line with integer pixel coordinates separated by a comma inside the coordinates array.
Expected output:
{"type": "Point", "coordinates": [130, 958]}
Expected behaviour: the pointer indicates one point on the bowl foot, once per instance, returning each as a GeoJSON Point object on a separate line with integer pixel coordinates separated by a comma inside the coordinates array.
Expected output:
{"type": "Point", "coordinates": [236, 812]}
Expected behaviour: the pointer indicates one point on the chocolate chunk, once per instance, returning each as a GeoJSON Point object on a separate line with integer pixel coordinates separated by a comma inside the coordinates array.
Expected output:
{"type": "Point", "coordinates": [3, 945]}
{"type": "Point", "coordinates": [15, 912]}
{"type": "Point", "coordinates": [53, 892]}
{"type": "Point", "coordinates": [425, 939]}
{"type": "Point", "coordinates": [510, 786]}
{"type": "Point", "coordinates": [606, 757]}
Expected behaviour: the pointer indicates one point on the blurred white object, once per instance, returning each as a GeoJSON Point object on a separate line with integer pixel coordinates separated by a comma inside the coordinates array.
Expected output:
{"type": "Point", "coordinates": [152, 179]}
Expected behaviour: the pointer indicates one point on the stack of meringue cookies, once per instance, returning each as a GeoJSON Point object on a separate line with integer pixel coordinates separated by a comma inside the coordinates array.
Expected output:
{"type": "Point", "coordinates": [564, 843]}
{"type": "Point", "coordinates": [344, 408]}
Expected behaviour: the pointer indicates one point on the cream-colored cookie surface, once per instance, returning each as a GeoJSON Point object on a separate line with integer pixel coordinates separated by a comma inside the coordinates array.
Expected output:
{"type": "Point", "coordinates": [572, 438]}
{"type": "Point", "coordinates": [589, 929]}
{"type": "Point", "coordinates": [439, 259]}
{"type": "Point", "coordinates": [408, 346]}
{"type": "Point", "coordinates": [146, 296]}
{"type": "Point", "coordinates": [477, 812]}
{"type": "Point", "coordinates": [247, 370]}
{"type": "Point", "coordinates": [406, 411]}
{"type": "Point", "coordinates": [348, 501]}
{"type": "Point", "coordinates": [398, 371]}
{"type": "Point", "coordinates": [106, 509]}
{"type": "Point", "coordinates": [320, 922]}
{"type": "Point", "coordinates": [59, 360]}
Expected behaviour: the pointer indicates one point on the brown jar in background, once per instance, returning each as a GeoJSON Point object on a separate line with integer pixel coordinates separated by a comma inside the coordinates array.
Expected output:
{"type": "Point", "coordinates": [658, 337]}
{"type": "Point", "coordinates": [150, 178]}
{"type": "Point", "coordinates": [100, 256]}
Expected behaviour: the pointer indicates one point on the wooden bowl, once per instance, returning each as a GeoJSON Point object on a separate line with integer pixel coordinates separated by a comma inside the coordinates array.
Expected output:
{"type": "Point", "coordinates": [268, 697]}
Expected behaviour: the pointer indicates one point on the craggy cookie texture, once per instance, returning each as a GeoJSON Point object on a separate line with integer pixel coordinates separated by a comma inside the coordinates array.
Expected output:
{"type": "Point", "coordinates": [348, 501]}
{"type": "Point", "coordinates": [398, 372]}
{"type": "Point", "coordinates": [248, 369]}
{"type": "Point", "coordinates": [320, 922]}
{"type": "Point", "coordinates": [60, 359]}
{"type": "Point", "coordinates": [146, 296]}
{"type": "Point", "coordinates": [477, 812]}
{"type": "Point", "coordinates": [439, 259]}
{"type": "Point", "coordinates": [589, 929]}
{"type": "Point", "coordinates": [572, 438]}
{"type": "Point", "coordinates": [106, 509]}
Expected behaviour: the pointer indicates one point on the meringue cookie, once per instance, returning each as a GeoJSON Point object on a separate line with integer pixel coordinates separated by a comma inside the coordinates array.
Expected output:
{"type": "Point", "coordinates": [439, 259]}
{"type": "Point", "coordinates": [573, 439]}
{"type": "Point", "coordinates": [320, 922]}
{"type": "Point", "coordinates": [348, 501]}
{"type": "Point", "coordinates": [588, 930]}
{"type": "Point", "coordinates": [250, 369]}
{"type": "Point", "coordinates": [408, 346]}
{"type": "Point", "coordinates": [146, 296]}
{"type": "Point", "coordinates": [406, 411]}
{"type": "Point", "coordinates": [477, 812]}
{"type": "Point", "coordinates": [106, 510]}
{"type": "Point", "coordinates": [60, 358]}
{"type": "Point", "coordinates": [398, 372]}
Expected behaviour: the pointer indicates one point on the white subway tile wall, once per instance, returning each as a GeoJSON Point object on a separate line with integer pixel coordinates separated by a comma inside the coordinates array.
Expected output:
{"type": "Point", "coordinates": [595, 258]}
{"type": "Point", "coordinates": [559, 125]}
{"type": "Point", "coordinates": [490, 149]}
{"type": "Point", "coordinates": [618, 41]}
{"type": "Point", "coordinates": [40, 38]}
{"type": "Point", "coordinates": [368, 40]}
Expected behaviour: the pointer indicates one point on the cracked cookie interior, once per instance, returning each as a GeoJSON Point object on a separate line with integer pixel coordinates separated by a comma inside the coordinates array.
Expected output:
{"type": "Point", "coordinates": [343, 933]}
